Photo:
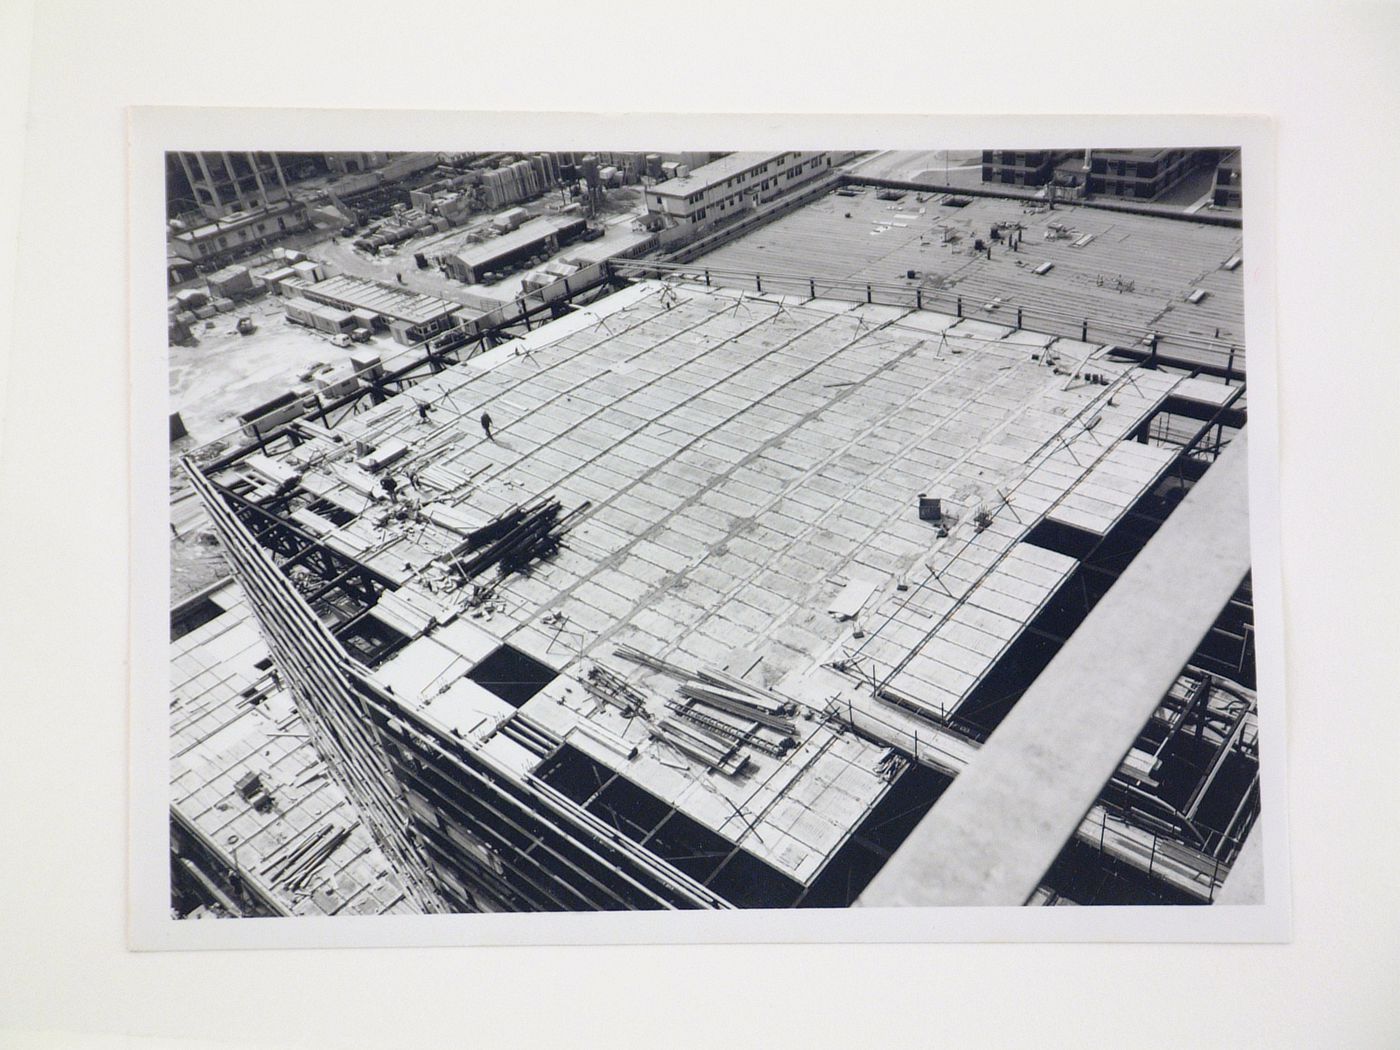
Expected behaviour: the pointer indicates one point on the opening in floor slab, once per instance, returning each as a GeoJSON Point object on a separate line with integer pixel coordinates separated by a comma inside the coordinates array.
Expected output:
{"type": "Point", "coordinates": [512, 675]}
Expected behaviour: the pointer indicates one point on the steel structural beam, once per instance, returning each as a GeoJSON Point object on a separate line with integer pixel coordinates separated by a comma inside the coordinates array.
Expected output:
{"type": "Point", "coordinates": [996, 831]}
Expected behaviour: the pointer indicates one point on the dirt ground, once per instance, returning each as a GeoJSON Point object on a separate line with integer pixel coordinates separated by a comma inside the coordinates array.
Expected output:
{"type": "Point", "coordinates": [226, 373]}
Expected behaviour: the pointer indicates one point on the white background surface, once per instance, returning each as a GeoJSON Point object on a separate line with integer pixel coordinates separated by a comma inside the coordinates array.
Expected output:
{"type": "Point", "coordinates": [1326, 77]}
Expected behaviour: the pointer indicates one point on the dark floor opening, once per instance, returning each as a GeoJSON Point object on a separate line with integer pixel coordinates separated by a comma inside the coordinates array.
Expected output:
{"type": "Point", "coordinates": [691, 847]}
{"type": "Point", "coordinates": [512, 675]}
{"type": "Point", "coordinates": [193, 615]}
{"type": "Point", "coordinates": [1083, 875]}
{"type": "Point", "coordinates": [369, 640]}
{"type": "Point", "coordinates": [883, 830]}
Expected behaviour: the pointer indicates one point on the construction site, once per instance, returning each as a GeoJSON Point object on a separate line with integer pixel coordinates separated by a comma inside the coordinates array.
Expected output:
{"type": "Point", "coordinates": [885, 544]}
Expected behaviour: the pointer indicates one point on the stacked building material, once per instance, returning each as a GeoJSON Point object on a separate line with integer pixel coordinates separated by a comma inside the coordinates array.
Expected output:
{"type": "Point", "coordinates": [519, 181]}
{"type": "Point", "coordinates": [739, 728]}
{"type": "Point", "coordinates": [517, 538]}
{"type": "Point", "coordinates": [695, 743]}
{"type": "Point", "coordinates": [727, 707]}
{"type": "Point", "coordinates": [612, 688]}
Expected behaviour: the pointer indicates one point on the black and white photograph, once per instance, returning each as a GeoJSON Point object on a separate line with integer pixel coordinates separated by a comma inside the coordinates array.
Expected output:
{"type": "Point", "coordinates": [798, 525]}
{"type": "Point", "coordinates": [777, 529]}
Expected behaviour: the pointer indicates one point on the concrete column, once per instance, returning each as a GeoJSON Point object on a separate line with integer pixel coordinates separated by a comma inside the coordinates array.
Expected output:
{"type": "Point", "coordinates": [209, 183]}
{"type": "Point", "coordinates": [233, 180]}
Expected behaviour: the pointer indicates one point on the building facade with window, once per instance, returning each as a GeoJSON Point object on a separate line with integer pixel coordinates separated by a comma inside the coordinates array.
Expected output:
{"type": "Point", "coordinates": [1228, 192]}
{"type": "Point", "coordinates": [227, 181]}
{"type": "Point", "coordinates": [1021, 167]}
{"type": "Point", "coordinates": [238, 233]}
{"type": "Point", "coordinates": [1142, 174]}
{"type": "Point", "coordinates": [728, 187]}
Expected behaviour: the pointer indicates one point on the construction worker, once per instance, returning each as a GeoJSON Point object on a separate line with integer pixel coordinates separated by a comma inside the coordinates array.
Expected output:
{"type": "Point", "coordinates": [486, 425]}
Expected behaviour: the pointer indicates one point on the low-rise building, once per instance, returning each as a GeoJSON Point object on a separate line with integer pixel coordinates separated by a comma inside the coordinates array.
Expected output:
{"type": "Point", "coordinates": [1228, 191]}
{"type": "Point", "coordinates": [541, 236]}
{"type": "Point", "coordinates": [411, 317]}
{"type": "Point", "coordinates": [731, 185]}
{"type": "Point", "coordinates": [1142, 174]}
{"type": "Point", "coordinates": [238, 233]}
{"type": "Point", "coordinates": [323, 318]}
{"type": "Point", "coordinates": [1033, 167]}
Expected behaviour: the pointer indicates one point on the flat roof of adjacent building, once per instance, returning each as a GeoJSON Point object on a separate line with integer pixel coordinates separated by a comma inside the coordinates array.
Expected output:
{"type": "Point", "coordinates": [752, 467]}
{"type": "Point", "coordinates": [1161, 260]}
{"type": "Point", "coordinates": [716, 171]}
{"type": "Point", "coordinates": [384, 299]}
{"type": "Point", "coordinates": [320, 309]}
{"type": "Point", "coordinates": [523, 236]}
{"type": "Point", "coordinates": [236, 219]}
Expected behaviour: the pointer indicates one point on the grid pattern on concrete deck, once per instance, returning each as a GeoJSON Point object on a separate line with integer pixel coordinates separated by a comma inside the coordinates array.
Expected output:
{"type": "Point", "coordinates": [744, 459]}
{"type": "Point", "coordinates": [218, 736]}
{"type": "Point", "coordinates": [1165, 260]}
{"type": "Point", "coordinates": [933, 650]}
{"type": "Point", "coordinates": [1114, 484]}
{"type": "Point", "coordinates": [792, 812]}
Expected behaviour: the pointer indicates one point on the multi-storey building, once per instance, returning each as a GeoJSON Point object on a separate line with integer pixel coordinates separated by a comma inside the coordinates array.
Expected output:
{"type": "Point", "coordinates": [1142, 174]}
{"type": "Point", "coordinates": [1020, 167]}
{"type": "Point", "coordinates": [225, 181]}
{"type": "Point", "coordinates": [1228, 191]}
{"type": "Point", "coordinates": [722, 605]}
{"type": "Point", "coordinates": [238, 233]}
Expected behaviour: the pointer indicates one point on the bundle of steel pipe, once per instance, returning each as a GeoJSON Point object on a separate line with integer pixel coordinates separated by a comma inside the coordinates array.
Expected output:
{"type": "Point", "coordinates": [612, 688]}
{"type": "Point", "coordinates": [731, 725]}
{"type": "Point", "coordinates": [517, 538]}
{"type": "Point", "coordinates": [690, 740]}
{"type": "Point", "coordinates": [736, 703]}
{"type": "Point", "coordinates": [637, 656]}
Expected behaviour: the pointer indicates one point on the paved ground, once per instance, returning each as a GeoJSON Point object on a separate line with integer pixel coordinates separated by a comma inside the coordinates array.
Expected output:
{"type": "Point", "coordinates": [936, 164]}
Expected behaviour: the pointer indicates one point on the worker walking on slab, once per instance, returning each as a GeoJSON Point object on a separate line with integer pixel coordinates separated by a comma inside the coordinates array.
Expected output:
{"type": "Point", "coordinates": [486, 425]}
